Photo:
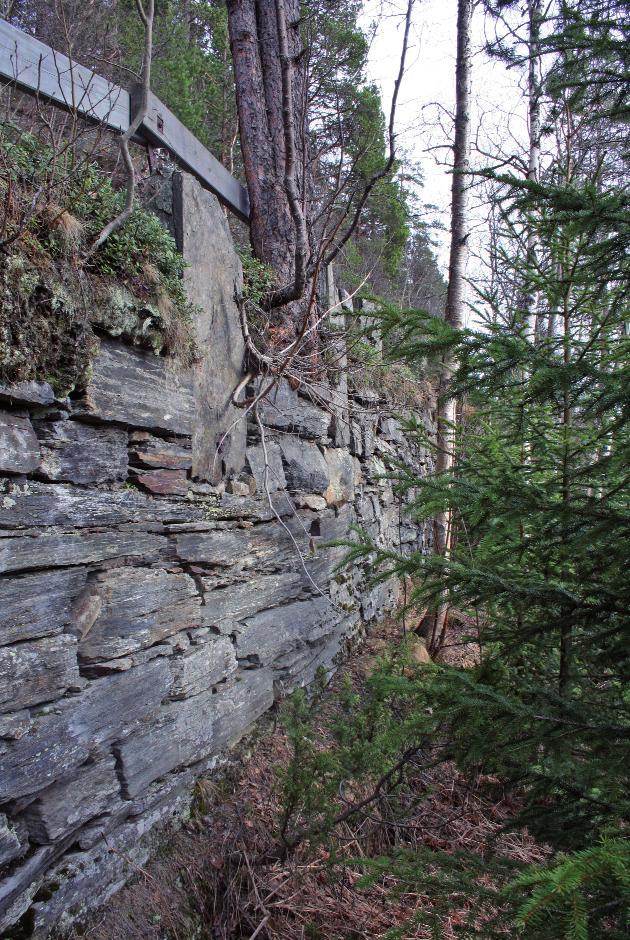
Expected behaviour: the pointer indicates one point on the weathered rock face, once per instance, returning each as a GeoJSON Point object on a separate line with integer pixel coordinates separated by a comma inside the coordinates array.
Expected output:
{"type": "Point", "coordinates": [149, 616]}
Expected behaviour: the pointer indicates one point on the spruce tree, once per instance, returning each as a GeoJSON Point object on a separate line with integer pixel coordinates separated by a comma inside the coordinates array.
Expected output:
{"type": "Point", "coordinates": [539, 498]}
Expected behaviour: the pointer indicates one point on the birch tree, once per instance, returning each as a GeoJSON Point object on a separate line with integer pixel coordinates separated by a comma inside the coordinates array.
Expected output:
{"type": "Point", "coordinates": [456, 293]}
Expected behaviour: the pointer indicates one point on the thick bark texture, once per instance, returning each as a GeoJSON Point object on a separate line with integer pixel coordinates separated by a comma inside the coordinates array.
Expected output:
{"type": "Point", "coordinates": [266, 51]}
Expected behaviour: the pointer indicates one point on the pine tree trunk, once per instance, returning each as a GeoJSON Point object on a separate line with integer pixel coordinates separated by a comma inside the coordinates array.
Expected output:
{"type": "Point", "coordinates": [264, 39]}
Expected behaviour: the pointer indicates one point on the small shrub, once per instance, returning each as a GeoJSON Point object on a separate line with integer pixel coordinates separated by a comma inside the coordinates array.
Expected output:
{"type": "Point", "coordinates": [54, 207]}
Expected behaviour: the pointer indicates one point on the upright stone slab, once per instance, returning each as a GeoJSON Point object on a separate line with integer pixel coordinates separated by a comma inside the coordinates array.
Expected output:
{"type": "Point", "coordinates": [213, 279]}
{"type": "Point", "coordinates": [19, 449]}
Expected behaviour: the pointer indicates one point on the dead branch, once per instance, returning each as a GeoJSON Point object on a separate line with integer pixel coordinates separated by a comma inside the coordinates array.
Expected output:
{"type": "Point", "coordinates": [381, 174]}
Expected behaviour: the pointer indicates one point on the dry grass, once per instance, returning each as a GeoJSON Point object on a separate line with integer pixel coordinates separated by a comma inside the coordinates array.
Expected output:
{"type": "Point", "coordinates": [209, 881]}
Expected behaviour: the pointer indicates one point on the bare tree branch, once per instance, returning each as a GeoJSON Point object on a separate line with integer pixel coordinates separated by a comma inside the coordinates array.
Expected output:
{"type": "Point", "coordinates": [146, 16]}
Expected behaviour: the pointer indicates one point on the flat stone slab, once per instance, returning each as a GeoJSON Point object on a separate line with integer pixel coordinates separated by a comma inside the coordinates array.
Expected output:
{"type": "Point", "coordinates": [265, 636]}
{"type": "Point", "coordinates": [285, 410]}
{"type": "Point", "coordinates": [63, 807]}
{"type": "Point", "coordinates": [80, 453]}
{"type": "Point", "coordinates": [255, 459]}
{"type": "Point", "coordinates": [138, 389]}
{"type": "Point", "coordinates": [26, 504]}
{"type": "Point", "coordinates": [305, 468]}
{"type": "Point", "coordinates": [242, 600]}
{"type": "Point", "coordinates": [37, 671]}
{"type": "Point", "coordinates": [190, 730]}
{"type": "Point", "coordinates": [341, 473]}
{"type": "Point", "coordinates": [154, 452]}
{"type": "Point", "coordinates": [37, 605]}
{"type": "Point", "coordinates": [19, 448]}
{"type": "Point", "coordinates": [29, 393]}
{"type": "Point", "coordinates": [134, 608]}
{"type": "Point", "coordinates": [182, 734]}
{"type": "Point", "coordinates": [21, 553]}
{"type": "Point", "coordinates": [260, 548]}
{"type": "Point", "coordinates": [60, 741]}
{"type": "Point", "coordinates": [203, 666]}
{"type": "Point", "coordinates": [10, 843]}
{"type": "Point", "coordinates": [213, 278]}
{"type": "Point", "coordinates": [162, 482]}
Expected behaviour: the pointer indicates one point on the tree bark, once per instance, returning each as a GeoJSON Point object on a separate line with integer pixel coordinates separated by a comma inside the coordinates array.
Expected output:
{"type": "Point", "coordinates": [269, 79]}
{"type": "Point", "coordinates": [456, 295]}
{"type": "Point", "coordinates": [534, 92]}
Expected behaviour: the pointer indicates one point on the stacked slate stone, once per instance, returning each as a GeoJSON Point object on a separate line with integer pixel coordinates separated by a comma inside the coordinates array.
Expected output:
{"type": "Point", "coordinates": [147, 619]}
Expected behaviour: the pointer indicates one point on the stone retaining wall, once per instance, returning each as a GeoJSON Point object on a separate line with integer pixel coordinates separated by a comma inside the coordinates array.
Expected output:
{"type": "Point", "coordinates": [152, 607]}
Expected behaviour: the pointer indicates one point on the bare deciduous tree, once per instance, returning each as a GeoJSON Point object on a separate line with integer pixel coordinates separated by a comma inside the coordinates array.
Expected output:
{"type": "Point", "coordinates": [456, 294]}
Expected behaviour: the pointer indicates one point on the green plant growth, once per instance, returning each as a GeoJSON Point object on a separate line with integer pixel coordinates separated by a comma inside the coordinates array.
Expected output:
{"type": "Point", "coordinates": [52, 299]}
{"type": "Point", "coordinates": [258, 277]}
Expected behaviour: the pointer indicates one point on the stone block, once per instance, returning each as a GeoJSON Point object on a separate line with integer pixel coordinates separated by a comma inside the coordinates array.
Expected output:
{"type": "Point", "coordinates": [203, 666]}
{"type": "Point", "coordinates": [188, 731]}
{"type": "Point", "coordinates": [37, 671]}
{"type": "Point", "coordinates": [380, 598]}
{"type": "Point", "coordinates": [242, 600]}
{"type": "Point", "coordinates": [37, 605]}
{"type": "Point", "coordinates": [340, 465]}
{"type": "Point", "coordinates": [285, 410]}
{"type": "Point", "coordinates": [28, 393]}
{"type": "Point", "coordinates": [20, 553]}
{"type": "Point", "coordinates": [32, 504]}
{"type": "Point", "coordinates": [137, 389]}
{"type": "Point", "coordinates": [162, 482]}
{"type": "Point", "coordinates": [238, 704]}
{"type": "Point", "coordinates": [155, 452]}
{"type": "Point", "coordinates": [310, 501]}
{"type": "Point", "coordinates": [60, 740]}
{"type": "Point", "coordinates": [262, 547]}
{"type": "Point", "coordinates": [19, 448]}
{"type": "Point", "coordinates": [298, 668]}
{"type": "Point", "coordinates": [391, 430]}
{"type": "Point", "coordinates": [10, 842]}
{"type": "Point", "coordinates": [18, 889]}
{"type": "Point", "coordinates": [181, 735]}
{"type": "Point", "coordinates": [63, 807]}
{"type": "Point", "coordinates": [356, 439]}
{"type": "Point", "coordinates": [15, 725]}
{"type": "Point", "coordinates": [82, 881]}
{"type": "Point", "coordinates": [138, 608]}
{"type": "Point", "coordinates": [80, 453]}
{"type": "Point", "coordinates": [255, 460]}
{"type": "Point", "coordinates": [304, 465]}
{"type": "Point", "coordinates": [263, 637]}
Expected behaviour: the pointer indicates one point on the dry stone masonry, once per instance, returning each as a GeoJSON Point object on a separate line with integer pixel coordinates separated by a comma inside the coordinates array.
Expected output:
{"type": "Point", "coordinates": [152, 606]}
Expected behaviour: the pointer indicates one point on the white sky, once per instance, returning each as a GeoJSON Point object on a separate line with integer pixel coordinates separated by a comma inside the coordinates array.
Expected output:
{"type": "Point", "coordinates": [428, 93]}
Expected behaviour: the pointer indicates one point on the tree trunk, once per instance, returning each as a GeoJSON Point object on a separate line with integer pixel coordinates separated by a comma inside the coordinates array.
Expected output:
{"type": "Point", "coordinates": [534, 91]}
{"type": "Point", "coordinates": [270, 84]}
{"type": "Point", "coordinates": [455, 299]}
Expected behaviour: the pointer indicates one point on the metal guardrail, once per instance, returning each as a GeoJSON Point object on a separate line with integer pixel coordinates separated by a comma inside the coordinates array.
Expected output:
{"type": "Point", "coordinates": [35, 68]}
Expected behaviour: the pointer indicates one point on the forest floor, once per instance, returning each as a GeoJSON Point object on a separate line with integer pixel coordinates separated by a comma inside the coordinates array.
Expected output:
{"type": "Point", "coordinates": [205, 883]}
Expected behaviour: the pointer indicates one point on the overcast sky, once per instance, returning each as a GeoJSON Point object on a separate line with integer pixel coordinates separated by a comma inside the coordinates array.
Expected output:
{"type": "Point", "coordinates": [428, 93]}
